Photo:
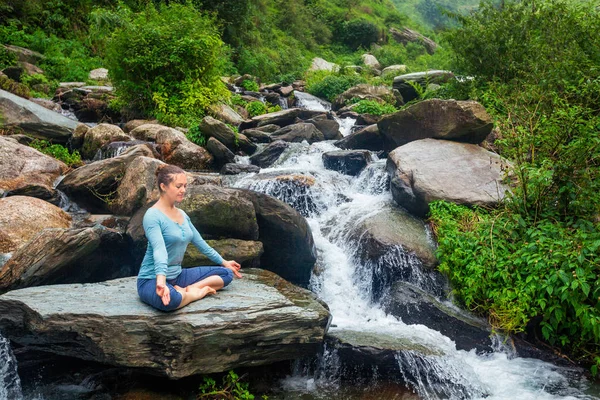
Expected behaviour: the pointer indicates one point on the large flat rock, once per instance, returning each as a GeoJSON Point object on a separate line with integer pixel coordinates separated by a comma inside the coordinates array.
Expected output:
{"type": "Point", "coordinates": [257, 320]}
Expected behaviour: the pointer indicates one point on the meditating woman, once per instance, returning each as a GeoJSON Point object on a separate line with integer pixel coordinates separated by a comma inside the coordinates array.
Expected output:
{"type": "Point", "coordinates": [162, 283]}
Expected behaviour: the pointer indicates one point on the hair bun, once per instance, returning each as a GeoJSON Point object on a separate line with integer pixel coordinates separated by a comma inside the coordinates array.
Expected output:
{"type": "Point", "coordinates": [160, 168]}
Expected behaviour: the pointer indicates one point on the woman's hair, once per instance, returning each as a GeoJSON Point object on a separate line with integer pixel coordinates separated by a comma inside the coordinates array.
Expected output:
{"type": "Point", "coordinates": [165, 174]}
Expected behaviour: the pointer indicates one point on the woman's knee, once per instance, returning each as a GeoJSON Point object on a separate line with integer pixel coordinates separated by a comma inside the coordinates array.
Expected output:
{"type": "Point", "coordinates": [227, 276]}
{"type": "Point", "coordinates": [151, 298]}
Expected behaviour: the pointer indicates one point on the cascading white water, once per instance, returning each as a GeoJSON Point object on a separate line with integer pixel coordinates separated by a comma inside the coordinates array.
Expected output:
{"type": "Point", "coordinates": [344, 283]}
{"type": "Point", "coordinates": [10, 384]}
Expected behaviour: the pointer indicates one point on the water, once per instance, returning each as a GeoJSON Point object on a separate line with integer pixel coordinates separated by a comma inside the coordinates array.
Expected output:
{"type": "Point", "coordinates": [338, 204]}
{"type": "Point", "coordinates": [10, 384]}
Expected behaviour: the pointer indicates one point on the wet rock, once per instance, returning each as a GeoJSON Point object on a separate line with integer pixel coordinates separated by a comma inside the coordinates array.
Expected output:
{"type": "Point", "coordinates": [21, 218]}
{"type": "Point", "coordinates": [220, 152]}
{"type": "Point", "coordinates": [79, 135]}
{"type": "Point", "coordinates": [349, 162]}
{"type": "Point", "coordinates": [329, 127]}
{"type": "Point", "coordinates": [257, 136]}
{"type": "Point", "coordinates": [270, 128]}
{"type": "Point", "coordinates": [48, 104]}
{"type": "Point", "coordinates": [94, 186]}
{"type": "Point", "coordinates": [280, 118]}
{"type": "Point", "coordinates": [246, 252]}
{"type": "Point", "coordinates": [293, 189]}
{"type": "Point", "coordinates": [285, 91]}
{"type": "Point", "coordinates": [367, 138]}
{"type": "Point", "coordinates": [266, 320]}
{"type": "Point", "coordinates": [138, 186]}
{"type": "Point", "coordinates": [148, 132]}
{"type": "Point", "coordinates": [368, 119]}
{"type": "Point", "coordinates": [234, 169]}
{"type": "Point", "coordinates": [176, 149]}
{"type": "Point", "coordinates": [289, 248]}
{"type": "Point", "coordinates": [298, 133]}
{"type": "Point", "coordinates": [462, 121]}
{"type": "Point", "coordinates": [100, 135]}
{"type": "Point", "coordinates": [304, 99]}
{"type": "Point", "coordinates": [34, 119]}
{"type": "Point", "coordinates": [24, 167]}
{"type": "Point", "coordinates": [427, 170]}
{"type": "Point", "coordinates": [415, 306]}
{"type": "Point", "coordinates": [224, 134]}
{"type": "Point", "coordinates": [273, 98]}
{"type": "Point", "coordinates": [405, 83]}
{"type": "Point", "coordinates": [269, 154]}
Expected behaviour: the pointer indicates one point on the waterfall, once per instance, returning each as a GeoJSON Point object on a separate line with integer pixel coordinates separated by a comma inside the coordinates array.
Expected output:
{"type": "Point", "coordinates": [10, 384]}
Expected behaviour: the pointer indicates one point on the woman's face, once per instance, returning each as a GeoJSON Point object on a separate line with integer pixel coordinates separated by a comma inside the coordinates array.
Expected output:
{"type": "Point", "coordinates": [176, 189]}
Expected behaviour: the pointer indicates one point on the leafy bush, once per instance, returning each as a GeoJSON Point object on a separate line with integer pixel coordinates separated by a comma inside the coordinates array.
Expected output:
{"type": "Point", "coordinates": [7, 58]}
{"type": "Point", "coordinates": [255, 108]}
{"type": "Point", "coordinates": [373, 107]}
{"type": "Point", "coordinates": [329, 85]}
{"type": "Point", "coordinates": [250, 85]}
{"type": "Point", "coordinates": [230, 389]}
{"type": "Point", "coordinates": [195, 135]}
{"type": "Point", "coordinates": [168, 62]}
{"type": "Point", "coordinates": [358, 33]}
{"type": "Point", "coordinates": [57, 151]}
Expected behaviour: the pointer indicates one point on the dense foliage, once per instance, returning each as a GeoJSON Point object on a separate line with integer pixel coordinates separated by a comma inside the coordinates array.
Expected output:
{"type": "Point", "coordinates": [60, 152]}
{"type": "Point", "coordinates": [373, 107]}
{"type": "Point", "coordinates": [534, 261]}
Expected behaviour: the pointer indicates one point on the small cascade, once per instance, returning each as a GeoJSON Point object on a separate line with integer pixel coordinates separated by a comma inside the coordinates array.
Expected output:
{"type": "Point", "coordinates": [10, 384]}
{"type": "Point", "coordinates": [114, 149]}
{"type": "Point", "coordinates": [346, 125]}
{"type": "Point", "coordinates": [283, 103]}
{"type": "Point", "coordinates": [310, 102]}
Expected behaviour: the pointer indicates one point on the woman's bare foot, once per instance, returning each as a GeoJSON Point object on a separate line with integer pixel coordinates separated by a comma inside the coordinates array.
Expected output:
{"type": "Point", "coordinates": [200, 293]}
{"type": "Point", "coordinates": [179, 288]}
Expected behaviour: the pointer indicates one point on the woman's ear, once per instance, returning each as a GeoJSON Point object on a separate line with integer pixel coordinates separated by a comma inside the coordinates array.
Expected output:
{"type": "Point", "coordinates": [162, 187]}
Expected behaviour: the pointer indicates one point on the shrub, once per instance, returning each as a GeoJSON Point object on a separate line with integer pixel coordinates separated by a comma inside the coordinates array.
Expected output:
{"type": "Point", "coordinates": [329, 85]}
{"type": "Point", "coordinates": [7, 58]}
{"type": "Point", "coordinates": [57, 151]}
{"type": "Point", "coordinates": [195, 135]}
{"type": "Point", "coordinates": [168, 62]}
{"type": "Point", "coordinates": [250, 85]}
{"type": "Point", "coordinates": [358, 33]}
{"type": "Point", "coordinates": [255, 108]}
{"type": "Point", "coordinates": [373, 107]}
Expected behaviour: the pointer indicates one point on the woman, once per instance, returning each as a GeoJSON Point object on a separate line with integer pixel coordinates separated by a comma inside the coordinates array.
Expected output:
{"type": "Point", "coordinates": [162, 283]}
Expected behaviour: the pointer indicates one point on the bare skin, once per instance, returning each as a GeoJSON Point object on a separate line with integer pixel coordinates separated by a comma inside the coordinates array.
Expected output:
{"type": "Point", "coordinates": [171, 194]}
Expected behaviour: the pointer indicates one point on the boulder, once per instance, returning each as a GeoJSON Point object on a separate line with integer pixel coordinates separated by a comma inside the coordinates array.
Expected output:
{"type": "Point", "coordinates": [222, 155]}
{"type": "Point", "coordinates": [21, 218]}
{"type": "Point", "coordinates": [137, 186]}
{"type": "Point", "coordinates": [260, 319]}
{"type": "Point", "coordinates": [34, 119]}
{"type": "Point", "coordinates": [203, 178]}
{"type": "Point", "coordinates": [298, 133]}
{"type": "Point", "coordinates": [393, 70]}
{"type": "Point", "coordinates": [280, 118]}
{"type": "Point", "coordinates": [328, 127]}
{"type": "Point", "coordinates": [134, 123]}
{"type": "Point", "coordinates": [94, 110]}
{"type": "Point", "coordinates": [415, 306]}
{"type": "Point", "coordinates": [94, 186]}
{"type": "Point", "coordinates": [349, 162]}
{"type": "Point", "coordinates": [427, 170]}
{"type": "Point", "coordinates": [367, 138]}
{"type": "Point", "coordinates": [406, 36]}
{"type": "Point", "coordinates": [176, 149]}
{"type": "Point", "coordinates": [310, 102]}
{"type": "Point", "coordinates": [24, 167]}
{"type": "Point", "coordinates": [273, 98]}
{"type": "Point", "coordinates": [246, 252]}
{"type": "Point", "coordinates": [48, 104]}
{"type": "Point", "coordinates": [226, 114]}
{"type": "Point", "coordinates": [14, 72]}
{"type": "Point", "coordinates": [98, 74]}
{"type": "Point", "coordinates": [364, 91]}
{"type": "Point", "coordinates": [289, 248]}
{"type": "Point", "coordinates": [224, 134]}
{"type": "Point", "coordinates": [269, 154]}
{"type": "Point", "coordinates": [100, 135]}
{"type": "Point", "coordinates": [79, 135]}
{"type": "Point", "coordinates": [269, 128]}
{"type": "Point", "coordinates": [25, 55]}
{"type": "Point", "coordinates": [70, 85]}
{"type": "Point", "coordinates": [149, 131]}
{"type": "Point", "coordinates": [319, 64]}
{"type": "Point", "coordinates": [285, 91]}
{"type": "Point", "coordinates": [234, 169]}
{"type": "Point", "coordinates": [257, 136]}
{"type": "Point", "coordinates": [405, 84]}
{"type": "Point", "coordinates": [463, 121]}
{"type": "Point", "coordinates": [221, 212]}
{"type": "Point", "coordinates": [370, 61]}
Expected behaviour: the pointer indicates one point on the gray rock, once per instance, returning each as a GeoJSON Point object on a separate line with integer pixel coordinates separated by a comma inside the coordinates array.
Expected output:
{"type": "Point", "coordinates": [34, 119]}
{"type": "Point", "coordinates": [272, 98]}
{"type": "Point", "coordinates": [364, 91]}
{"type": "Point", "coordinates": [134, 123]}
{"type": "Point", "coordinates": [98, 74]}
{"type": "Point", "coordinates": [25, 55]}
{"type": "Point", "coordinates": [107, 323]}
{"type": "Point", "coordinates": [226, 114]}
{"type": "Point", "coordinates": [257, 136]}
{"type": "Point", "coordinates": [427, 170]}
{"type": "Point", "coordinates": [280, 118]}
{"type": "Point", "coordinates": [285, 90]}
{"type": "Point", "coordinates": [463, 121]}
{"type": "Point", "coordinates": [220, 152]}
{"type": "Point", "coordinates": [406, 36]}
{"type": "Point", "coordinates": [99, 136]}
{"type": "Point", "coordinates": [393, 70]}
{"type": "Point", "coordinates": [234, 169]}
{"type": "Point", "coordinates": [176, 149]}
{"type": "Point", "coordinates": [246, 252]}
{"type": "Point", "coordinates": [405, 83]}
{"type": "Point", "coordinates": [270, 128]}
{"type": "Point", "coordinates": [367, 138]}
{"type": "Point", "coordinates": [137, 187]}
{"type": "Point", "coordinates": [370, 61]}
{"type": "Point", "coordinates": [269, 154]}
{"type": "Point", "coordinates": [298, 133]}
{"type": "Point", "coordinates": [349, 162]}
{"type": "Point", "coordinates": [22, 166]}
{"type": "Point", "coordinates": [415, 306]}
{"type": "Point", "coordinates": [329, 127]}
{"type": "Point", "coordinates": [224, 134]}
{"type": "Point", "coordinates": [146, 131]}
{"type": "Point", "coordinates": [319, 64]}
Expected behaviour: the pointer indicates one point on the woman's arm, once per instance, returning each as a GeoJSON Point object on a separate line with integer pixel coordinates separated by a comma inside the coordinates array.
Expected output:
{"type": "Point", "coordinates": [159, 253]}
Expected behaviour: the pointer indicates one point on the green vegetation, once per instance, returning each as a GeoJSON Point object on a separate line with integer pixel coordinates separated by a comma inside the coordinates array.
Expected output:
{"type": "Point", "coordinates": [250, 85]}
{"type": "Point", "coordinates": [534, 262]}
{"type": "Point", "coordinates": [373, 107]}
{"type": "Point", "coordinates": [328, 85]}
{"type": "Point", "coordinates": [57, 151]}
{"type": "Point", "coordinates": [230, 389]}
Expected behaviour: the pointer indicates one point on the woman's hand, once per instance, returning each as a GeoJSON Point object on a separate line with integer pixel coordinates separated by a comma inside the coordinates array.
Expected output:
{"type": "Point", "coordinates": [162, 290]}
{"type": "Point", "coordinates": [234, 267]}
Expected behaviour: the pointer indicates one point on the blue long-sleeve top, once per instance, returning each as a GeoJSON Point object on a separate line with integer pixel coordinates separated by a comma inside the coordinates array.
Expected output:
{"type": "Point", "coordinates": [167, 242]}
